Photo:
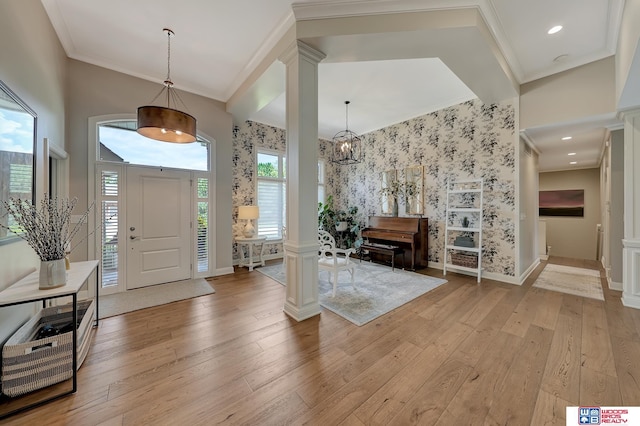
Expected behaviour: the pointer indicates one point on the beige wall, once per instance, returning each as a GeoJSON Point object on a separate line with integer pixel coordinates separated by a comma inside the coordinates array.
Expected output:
{"type": "Point", "coordinates": [571, 95]}
{"type": "Point", "coordinates": [96, 91]}
{"type": "Point", "coordinates": [628, 57]}
{"type": "Point", "coordinates": [33, 66]}
{"type": "Point", "coordinates": [528, 201]}
{"type": "Point", "coordinates": [574, 237]}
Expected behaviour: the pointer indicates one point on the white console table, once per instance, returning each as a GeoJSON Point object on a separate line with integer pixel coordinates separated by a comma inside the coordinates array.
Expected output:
{"type": "Point", "coordinates": [249, 242]}
{"type": "Point", "coordinates": [27, 291]}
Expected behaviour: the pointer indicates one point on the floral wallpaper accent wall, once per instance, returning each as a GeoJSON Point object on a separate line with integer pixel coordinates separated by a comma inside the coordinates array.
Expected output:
{"type": "Point", "coordinates": [469, 140]}
{"type": "Point", "coordinates": [247, 139]}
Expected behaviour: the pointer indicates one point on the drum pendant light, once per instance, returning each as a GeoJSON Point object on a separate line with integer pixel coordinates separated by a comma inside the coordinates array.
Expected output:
{"type": "Point", "coordinates": [167, 124]}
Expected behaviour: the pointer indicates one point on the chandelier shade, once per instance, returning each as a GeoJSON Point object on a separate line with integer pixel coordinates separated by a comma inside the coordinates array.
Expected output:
{"type": "Point", "coordinates": [347, 146]}
{"type": "Point", "coordinates": [167, 124]}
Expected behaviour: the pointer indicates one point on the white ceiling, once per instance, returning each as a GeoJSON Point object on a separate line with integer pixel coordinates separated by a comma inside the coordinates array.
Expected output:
{"type": "Point", "coordinates": [219, 42]}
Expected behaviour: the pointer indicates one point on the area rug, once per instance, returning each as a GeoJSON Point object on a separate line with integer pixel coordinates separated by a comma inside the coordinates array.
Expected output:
{"type": "Point", "coordinates": [571, 280]}
{"type": "Point", "coordinates": [378, 290]}
{"type": "Point", "coordinates": [155, 295]}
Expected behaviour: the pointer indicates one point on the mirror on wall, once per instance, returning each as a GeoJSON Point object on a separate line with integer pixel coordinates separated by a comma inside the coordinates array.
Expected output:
{"type": "Point", "coordinates": [388, 200]}
{"type": "Point", "coordinates": [17, 155]}
{"type": "Point", "coordinates": [413, 190]}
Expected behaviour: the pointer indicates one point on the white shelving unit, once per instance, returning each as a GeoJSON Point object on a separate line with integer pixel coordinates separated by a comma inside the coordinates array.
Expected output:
{"type": "Point", "coordinates": [464, 199]}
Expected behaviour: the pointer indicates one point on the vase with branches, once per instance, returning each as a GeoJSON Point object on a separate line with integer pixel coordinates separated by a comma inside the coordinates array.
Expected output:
{"type": "Point", "coordinates": [47, 228]}
{"type": "Point", "coordinates": [393, 190]}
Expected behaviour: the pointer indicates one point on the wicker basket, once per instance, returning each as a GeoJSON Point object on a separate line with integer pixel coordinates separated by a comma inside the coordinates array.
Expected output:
{"type": "Point", "coordinates": [466, 260]}
{"type": "Point", "coordinates": [29, 364]}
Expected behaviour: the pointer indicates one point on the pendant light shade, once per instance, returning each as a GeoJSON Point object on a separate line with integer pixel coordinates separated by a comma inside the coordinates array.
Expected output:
{"type": "Point", "coordinates": [347, 146]}
{"type": "Point", "coordinates": [167, 124]}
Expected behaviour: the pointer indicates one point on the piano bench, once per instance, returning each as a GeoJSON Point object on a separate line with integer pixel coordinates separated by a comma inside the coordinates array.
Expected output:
{"type": "Point", "coordinates": [383, 249]}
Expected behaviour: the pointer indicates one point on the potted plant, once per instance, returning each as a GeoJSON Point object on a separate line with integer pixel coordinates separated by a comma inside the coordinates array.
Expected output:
{"type": "Point", "coordinates": [341, 224]}
{"type": "Point", "coordinates": [48, 231]}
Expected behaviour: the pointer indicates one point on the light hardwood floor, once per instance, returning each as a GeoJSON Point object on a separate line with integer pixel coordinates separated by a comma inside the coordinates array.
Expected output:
{"type": "Point", "coordinates": [463, 353]}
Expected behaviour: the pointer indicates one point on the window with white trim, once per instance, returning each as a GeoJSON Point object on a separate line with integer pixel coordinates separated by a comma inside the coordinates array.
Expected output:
{"type": "Point", "coordinates": [271, 191]}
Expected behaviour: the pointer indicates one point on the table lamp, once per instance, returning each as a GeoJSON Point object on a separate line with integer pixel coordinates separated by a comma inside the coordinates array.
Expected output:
{"type": "Point", "coordinates": [249, 213]}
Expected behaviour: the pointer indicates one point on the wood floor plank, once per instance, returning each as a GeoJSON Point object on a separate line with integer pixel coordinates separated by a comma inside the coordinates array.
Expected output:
{"type": "Point", "coordinates": [472, 402]}
{"type": "Point", "coordinates": [524, 314]}
{"type": "Point", "coordinates": [464, 353]}
{"type": "Point", "coordinates": [519, 389]}
{"type": "Point", "coordinates": [349, 397]}
{"type": "Point", "coordinates": [599, 389]}
{"type": "Point", "coordinates": [596, 349]}
{"type": "Point", "coordinates": [550, 410]}
{"type": "Point", "coordinates": [626, 353]}
{"type": "Point", "coordinates": [383, 405]}
{"type": "Point", "coordinates": [431, 399]}
{"type": "Point", "coordinates": [562, 373]}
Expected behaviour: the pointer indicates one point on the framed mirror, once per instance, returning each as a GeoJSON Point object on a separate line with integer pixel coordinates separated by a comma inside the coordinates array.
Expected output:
{"type": "Point", "coordinates": [414, 190]}
{"type": "Point", "coordinates": [17, 155]}
{"type": "Point", "coordinates": [388, 200]}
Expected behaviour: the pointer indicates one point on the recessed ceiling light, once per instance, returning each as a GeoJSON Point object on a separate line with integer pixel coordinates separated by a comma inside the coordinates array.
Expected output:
{"type": "Point", "coordinates": [573, 162]}
{"type": "Point", "coordinates": [555, 29]}
{"type": "Point", "coordinates": [572, 153]}
{"type": "Point", "coordinates": [566, 138]}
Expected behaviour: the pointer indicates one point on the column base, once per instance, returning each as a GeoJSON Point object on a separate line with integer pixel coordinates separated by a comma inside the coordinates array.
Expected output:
{"type": "Point", "coordinates": [302, 281]}
{"type": "Point", "coordinates": [631, 273]}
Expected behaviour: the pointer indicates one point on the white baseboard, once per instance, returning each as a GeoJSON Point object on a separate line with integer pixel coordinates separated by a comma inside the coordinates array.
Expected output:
{"type": "Point", "coordinates": [224, 271]}
{"type": "Point", "coordinates": [631, 301]}
{"type": "Point", "coordinates": [544, 257]}
{"type": "Point", "coordinates": [614, 285]}
{"type": "Point", "coordinates": [488, 275]}
{"type": "Point", "coordinates": [529, 270]}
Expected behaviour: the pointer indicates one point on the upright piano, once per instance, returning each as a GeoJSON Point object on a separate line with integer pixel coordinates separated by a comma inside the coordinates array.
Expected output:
{"type": "Point", "coordinates": [409, 233]}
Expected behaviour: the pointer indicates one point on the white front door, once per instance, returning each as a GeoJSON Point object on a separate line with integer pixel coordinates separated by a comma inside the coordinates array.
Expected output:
{"type": "Point", "coordinates": [158, 226]}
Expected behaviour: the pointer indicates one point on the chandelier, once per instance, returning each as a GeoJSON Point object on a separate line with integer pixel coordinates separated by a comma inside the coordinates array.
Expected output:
{"type": "Point", "coordinates": [347, 146]}
{"type": "Point", "coordinates": [165, 123]}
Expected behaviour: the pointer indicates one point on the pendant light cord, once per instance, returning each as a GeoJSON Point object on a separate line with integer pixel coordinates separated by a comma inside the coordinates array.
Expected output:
{"type": "Point", "coordinates": [347, 114]}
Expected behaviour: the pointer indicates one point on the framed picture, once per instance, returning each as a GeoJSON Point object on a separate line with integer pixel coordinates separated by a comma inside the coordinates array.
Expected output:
{"type": "Point", "coordinates": [566, 202]}
{"type": "Point", "coordinates": [388, 202]}
{"type": "Point", "coordinates": [413, 190]}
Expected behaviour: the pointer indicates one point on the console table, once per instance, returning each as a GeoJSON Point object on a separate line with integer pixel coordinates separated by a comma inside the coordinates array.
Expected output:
{"type": "Point", "coordinates": [249, 242]}
{"type": "Point", "coordinates": [27, 290]}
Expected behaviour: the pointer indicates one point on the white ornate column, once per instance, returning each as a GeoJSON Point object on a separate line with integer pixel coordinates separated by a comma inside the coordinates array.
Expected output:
{"type": "Point", "coordinates": [631, 240]}
{"type": "Point", "coordinates": [301, 246]}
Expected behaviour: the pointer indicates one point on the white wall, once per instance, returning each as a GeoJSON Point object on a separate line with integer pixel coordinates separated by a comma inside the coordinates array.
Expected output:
{"type": "Point", "coordinates": [528, 202]}
{"type": "Point", "coordinates": [33, 66]}
{"type": "Point", "coordinates": [628, 57]}
{"type": "Point", "coordinates": [574, 237]}
{"type": "Point", "coordinates": [617, 205]}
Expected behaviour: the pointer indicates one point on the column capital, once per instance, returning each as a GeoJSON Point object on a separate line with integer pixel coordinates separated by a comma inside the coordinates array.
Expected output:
{"type": "Point", "coordinates": [304, 50]}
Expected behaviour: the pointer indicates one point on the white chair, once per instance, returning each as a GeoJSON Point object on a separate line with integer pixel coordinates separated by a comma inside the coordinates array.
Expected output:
{"type": "Point", "coordinates": [334, 260]}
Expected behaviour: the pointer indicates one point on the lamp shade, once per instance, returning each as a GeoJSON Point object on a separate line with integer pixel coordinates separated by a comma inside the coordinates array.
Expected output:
{"type": "Point", "coordinates": [166, 124]}
{"type": "Point", "coordinates": [248, 212]}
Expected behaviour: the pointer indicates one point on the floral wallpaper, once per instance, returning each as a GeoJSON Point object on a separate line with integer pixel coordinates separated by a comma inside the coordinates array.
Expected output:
{"type": "Point", "coordinates": [469, 140]}
{"type": "Point", "coordinates": [247, 139]}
